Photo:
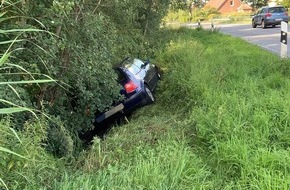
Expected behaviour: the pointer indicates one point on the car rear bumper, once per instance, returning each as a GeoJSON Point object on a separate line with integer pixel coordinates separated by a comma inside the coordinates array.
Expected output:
{"type": "Point", "coordinates": [128, 105]}
{"type": "Point", "coordinates": [275, 21]}
{"type": "Point", "coordinates": [135, 101]}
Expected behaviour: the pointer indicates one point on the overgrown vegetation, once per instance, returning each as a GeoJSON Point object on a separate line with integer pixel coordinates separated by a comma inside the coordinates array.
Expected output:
{"type": "Point", "coordinates": [76, 44]}
{"type": "Point", "coordinates": [239, 107]}
{"type": "Point", "coordinates": [220, 121]}
{"type": "Point", "coordinates": [204, 15]}
{"type": "Point", "coordinates": [56, 65]}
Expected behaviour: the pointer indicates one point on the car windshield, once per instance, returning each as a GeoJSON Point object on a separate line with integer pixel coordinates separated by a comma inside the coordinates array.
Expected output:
{"type": "Point", "coordinates": [276, 10]}
{"type": "Point", "coordinates": [133, 65]}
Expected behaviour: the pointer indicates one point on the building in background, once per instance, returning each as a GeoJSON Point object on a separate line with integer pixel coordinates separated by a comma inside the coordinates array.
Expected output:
{"type": "Point", "coordinates": [224, 6]}
{"type": "Point", "coordinates": [245, 8]}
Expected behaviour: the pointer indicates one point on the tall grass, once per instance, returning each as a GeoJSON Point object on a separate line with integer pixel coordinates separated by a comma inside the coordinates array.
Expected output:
{"type": "Point", "coordinates": [25, 164]}
{"type": "Point", "coordinates": [5, 65]}
{"type": "Point", "coordinates": [22, 156]}
{"type": "Point", "coordinates": [139, 156]}
{"type": "Point", "coordinates": [242, 110]}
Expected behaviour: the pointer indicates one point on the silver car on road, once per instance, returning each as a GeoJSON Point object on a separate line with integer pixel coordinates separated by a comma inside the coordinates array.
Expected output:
{"type": "Point", "coordinates": [270, 16]}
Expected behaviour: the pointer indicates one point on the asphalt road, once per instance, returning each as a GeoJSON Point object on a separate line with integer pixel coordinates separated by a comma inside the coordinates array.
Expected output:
{"type": "Point", "coordinates": [268, 38]}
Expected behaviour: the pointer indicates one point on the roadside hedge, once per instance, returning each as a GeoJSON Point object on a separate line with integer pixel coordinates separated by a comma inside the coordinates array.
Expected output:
{"type": "Point", "coordinates": [75, 43]}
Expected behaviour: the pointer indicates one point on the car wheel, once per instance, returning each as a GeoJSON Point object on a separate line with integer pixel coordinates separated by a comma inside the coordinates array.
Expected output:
{"type": "Point", "coordinates": [263, 24]}
{"type": "Point", "coordinates": [273, 26]}
{"type": "Point", "coordinates": [149, 95]}
{"type": "Point", "coordinates": [253, 24]}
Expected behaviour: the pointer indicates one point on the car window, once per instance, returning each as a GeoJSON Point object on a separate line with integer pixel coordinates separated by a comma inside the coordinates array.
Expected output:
{"type": "Point", "coordinates": [129, 64]}
{"type": "Point", "coordinates": [138, 63]}
{"type": "Point", "coordinates": [133, 69]}
{"type": "Point", "coordinates": [263, 10]}
{"type": "Point", "coordinates": [134, 66]}
{"type": "Point", "coordinates": [276, 10]}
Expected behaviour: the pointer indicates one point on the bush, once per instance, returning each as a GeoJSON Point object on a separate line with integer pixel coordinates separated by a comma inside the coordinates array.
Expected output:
{"type": "Point", "coordinates": [78, 45]}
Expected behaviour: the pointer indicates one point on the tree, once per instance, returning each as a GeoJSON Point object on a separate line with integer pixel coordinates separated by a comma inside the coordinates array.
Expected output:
{"type": "Point", "coordinates": [286, 3]}
{"type": "Point", "coordinates": [256, 3]}
{"type": "Point", "coordinates": [179, 4]}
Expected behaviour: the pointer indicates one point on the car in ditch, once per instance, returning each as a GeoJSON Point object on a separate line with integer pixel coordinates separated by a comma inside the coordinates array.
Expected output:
{"type": "Point", "coordinates": [138, 80]}
{"type": "Point", "coordinates": [270, 16]}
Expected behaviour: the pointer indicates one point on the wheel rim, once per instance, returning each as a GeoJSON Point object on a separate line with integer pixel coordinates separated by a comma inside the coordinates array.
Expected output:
{"type": "Point", "coordinates": [150, 95]}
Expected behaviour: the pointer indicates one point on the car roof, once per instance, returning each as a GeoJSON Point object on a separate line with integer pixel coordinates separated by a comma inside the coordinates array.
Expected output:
{"type": "Point", "coordinates": [121, 63]}
{"type": "Point", "coordinates": [273, 6]}
{"type": "Point", "coordinates": [127, 62]}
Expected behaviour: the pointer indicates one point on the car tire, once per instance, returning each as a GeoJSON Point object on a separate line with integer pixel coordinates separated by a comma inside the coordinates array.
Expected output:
{"type": "Point", "coordinates": [273, 26]}
{"type": "Point", "coordinates": [263, 25]}
{"type": "Point", "coordinates": [253, 24]}
{"type": "Point", "coordinates": [149, 95]}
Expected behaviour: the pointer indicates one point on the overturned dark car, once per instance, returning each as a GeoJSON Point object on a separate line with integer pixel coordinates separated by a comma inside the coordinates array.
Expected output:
{"type": "Point", "coordinates": [138, 80]}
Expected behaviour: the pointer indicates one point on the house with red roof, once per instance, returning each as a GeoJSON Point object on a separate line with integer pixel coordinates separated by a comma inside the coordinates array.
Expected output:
{"type": "Point", "coordinates": [224, 6]}
{"type": "Point", "coordinates": [245, 8]}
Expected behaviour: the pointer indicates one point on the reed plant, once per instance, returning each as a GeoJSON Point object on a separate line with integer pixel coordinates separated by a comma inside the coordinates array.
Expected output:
{"type": "Point", "coordinates": [23, 159]}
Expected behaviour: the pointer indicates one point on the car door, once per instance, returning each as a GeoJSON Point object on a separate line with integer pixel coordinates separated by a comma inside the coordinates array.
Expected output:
{"type": "Point", "coordinates": [262, 15]}
{"type": "Point", "coordinates": [257, 17]}
{"type": "Point", "coordinates": [151, 74]}
{"type": "Point", "coordinates": [141, 74]}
